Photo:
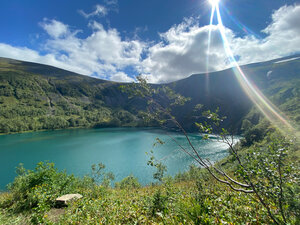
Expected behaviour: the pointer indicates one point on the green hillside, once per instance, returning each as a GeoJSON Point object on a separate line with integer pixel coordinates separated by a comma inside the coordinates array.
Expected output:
{"type": "Point", "coordinates": [281, 86]}
{"type": "Point", "coordinates": [39, 97]}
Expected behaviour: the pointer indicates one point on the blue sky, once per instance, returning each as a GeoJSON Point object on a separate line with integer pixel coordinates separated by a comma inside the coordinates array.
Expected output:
{"type": "Point", "coordinates": [164, 40]}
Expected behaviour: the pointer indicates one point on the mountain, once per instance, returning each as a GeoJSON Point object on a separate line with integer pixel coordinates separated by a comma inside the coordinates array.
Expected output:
{"type": "Point", "coordinates": [35, 97]}
{"type": "Point", "coordinates": [278, 80]}
{"type": "Point", "coordinates": [38, 97]}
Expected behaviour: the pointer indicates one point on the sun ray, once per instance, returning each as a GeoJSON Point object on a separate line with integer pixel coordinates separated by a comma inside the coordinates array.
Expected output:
{"type": "Point", "coordinates": [239, 24]}
{"type": "Point", "coordinates": [214, 2]}
{"type": "Point", "coordinates": [270, 111]}
{"type": "Point", "coordinates": [208, 49]}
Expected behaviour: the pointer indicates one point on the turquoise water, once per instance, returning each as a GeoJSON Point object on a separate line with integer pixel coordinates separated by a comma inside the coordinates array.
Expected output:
{"type": "Point", "coordinates": [122, 150]}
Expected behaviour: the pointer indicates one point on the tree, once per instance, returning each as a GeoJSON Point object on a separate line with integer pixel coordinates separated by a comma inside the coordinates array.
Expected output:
{"type": "Point", "coordinates": [275, 173]}
{"type": "Point", "coordinates": [100, 176]}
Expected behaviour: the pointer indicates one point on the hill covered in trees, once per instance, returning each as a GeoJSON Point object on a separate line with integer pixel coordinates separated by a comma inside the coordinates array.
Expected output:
{"type": "Point", "coordinates": [39, 97]}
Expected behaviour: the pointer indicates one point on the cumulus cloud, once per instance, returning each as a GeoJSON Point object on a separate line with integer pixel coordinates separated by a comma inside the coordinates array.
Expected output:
{"type": "Point", "coordinates": [183, 49]}
{"type": "Point", "coordinates": [285, 21]}
{"type": "Point", "coordinates": [180, 52]}
{"type": "Point", "coordinates": [54, 28]}
{"type": "Point", "coordinates": [283, 38]}
{"type": "Point", "coordinates": [26, 54]}
{"type": "Point", "coordinates": [100, 10]}
{"type": "Point", "coordinates": [121, 77]}
{"type": "Point", "coordinates": [102, 54]}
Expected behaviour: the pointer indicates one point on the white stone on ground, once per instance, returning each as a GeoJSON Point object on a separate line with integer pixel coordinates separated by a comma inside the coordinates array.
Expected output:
{"type": "Point", "coordinates": [69, 197]}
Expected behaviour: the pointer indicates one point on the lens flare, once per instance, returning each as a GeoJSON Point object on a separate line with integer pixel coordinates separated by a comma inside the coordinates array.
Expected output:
{"type": "Point", "coordinates": [214, 2]}
{"type": "Point", "coordinates": [208, 50]}
{"type": "Point", "coordinates": [270, 111]}
{"type": "Point", "coordinates": [240, 25]}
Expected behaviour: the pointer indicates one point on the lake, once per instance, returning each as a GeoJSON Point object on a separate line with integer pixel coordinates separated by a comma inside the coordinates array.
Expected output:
{"type": "Point", "coordinates": [122, 150]}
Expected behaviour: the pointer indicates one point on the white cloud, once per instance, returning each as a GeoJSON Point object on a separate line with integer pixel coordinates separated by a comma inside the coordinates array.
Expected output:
{"type": "Point", "coordinates": [100, 10]}
{"type": "Point", "coordinates": [21, 53]}
{"type": "Point", "coordinates": [285, 21]}
{"type": "Point", "coordinates": [181, 51]}
{"type": "Point", "coordinates": [283, 38]}
{"type": "Point", "coordinates": [121, 77]}
{"type": "Point", "coordinates": [287, 60]}
{"type": "Point", "coordinates": [111, 2]}
{"type": "Point", "coordinates": [54, 28]}
{"type": "Point", "coordinates": [102, 53]}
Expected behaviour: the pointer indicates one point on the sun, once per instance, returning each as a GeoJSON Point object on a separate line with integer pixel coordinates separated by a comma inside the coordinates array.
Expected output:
{"type": "Point", "coordinates": [214, 2]}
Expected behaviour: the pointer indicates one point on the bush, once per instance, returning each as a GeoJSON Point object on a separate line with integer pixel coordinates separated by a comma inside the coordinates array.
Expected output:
{"type": "Point", "coordinates": [42, 185]}
{"type": "Point", "coordinates": [256, 133]}
{"type": "Point", "coordinates": [159, 204]}
{"type": "Point", "coordinates": [36, 190]}
{"type": "Point", "coordinates": [128, 182]}
{"type": "Point", "coordinates": [99, 176]}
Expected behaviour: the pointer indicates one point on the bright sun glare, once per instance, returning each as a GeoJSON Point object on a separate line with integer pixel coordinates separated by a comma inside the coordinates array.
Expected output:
{"type": "Point", "coordinates": [266, 107]}
{"type": "Point", "coordinates": [214, 2]}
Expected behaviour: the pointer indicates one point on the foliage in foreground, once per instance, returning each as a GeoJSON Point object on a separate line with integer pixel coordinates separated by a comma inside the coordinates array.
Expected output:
{"type": "Point", "coordinates": [267, 175]}
{"type": "Point", "coordinates": [193, 197]}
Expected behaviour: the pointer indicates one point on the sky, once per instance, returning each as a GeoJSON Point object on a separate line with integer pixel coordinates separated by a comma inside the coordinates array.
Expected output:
{"type": "Point", "coordinates": [163, 40]}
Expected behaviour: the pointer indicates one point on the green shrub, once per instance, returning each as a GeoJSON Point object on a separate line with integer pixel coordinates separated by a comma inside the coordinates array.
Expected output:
{"type": "Point", "coordinates": [99, 176]}
{"type": "Point", "coordinates": [128, 183]}
{"type": "Point", "coordinates": [159, 204]}
{"type": "Point", "coordinates": [37, 189]}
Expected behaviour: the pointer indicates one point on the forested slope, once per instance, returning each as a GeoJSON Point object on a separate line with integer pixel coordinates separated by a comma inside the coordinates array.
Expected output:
{"type": "Point", "coordinates": [38, 97]}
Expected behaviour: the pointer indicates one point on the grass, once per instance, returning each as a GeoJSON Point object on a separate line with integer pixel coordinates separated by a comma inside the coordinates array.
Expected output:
{"type": "Point", "coordinates": [7, 217]}
{"type": "Point", "coordinates": [178, 203]}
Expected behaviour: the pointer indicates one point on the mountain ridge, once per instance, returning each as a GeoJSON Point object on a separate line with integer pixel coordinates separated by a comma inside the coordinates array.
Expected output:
{"type": "Point", "coordinates": [37, 97]}
{"type": "Point", "coordinates": [254, 64]}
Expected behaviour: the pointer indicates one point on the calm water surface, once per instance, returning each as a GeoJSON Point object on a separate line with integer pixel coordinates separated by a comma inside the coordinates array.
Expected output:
{"type": "Point", "coordinates": [122, 150]}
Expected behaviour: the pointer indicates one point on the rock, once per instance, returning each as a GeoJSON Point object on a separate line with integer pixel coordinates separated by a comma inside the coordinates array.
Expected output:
{"type": "Point", "coordinates": [63, 200]}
